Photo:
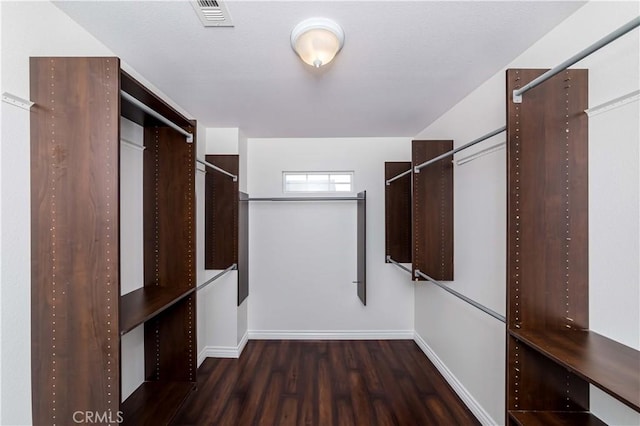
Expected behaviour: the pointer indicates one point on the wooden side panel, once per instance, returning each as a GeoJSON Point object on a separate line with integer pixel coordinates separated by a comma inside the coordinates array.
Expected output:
{"type": "Point", "coordinates": [397, 207]}
{"type": "Point", "coordinates": [432, 235]}
{"type": "Point", "coordinates": [221, 213]}
{"type": "Point", "coordinates": [169, 165]}
{"type": "Point", "coordinates": [243, 247]}
{"type": "Point", "coordinates": [74, 237]}
{"type": "Point", "coordinates": [547, 220]}
{"type": "Point", "coordinates": [170, 344]}
{"type": "Point", "coordinates": [362, 247]}
{"type": "Point", "coordinates": [169, 209]}
{"type": "Point", "coordinates": [547, 232]}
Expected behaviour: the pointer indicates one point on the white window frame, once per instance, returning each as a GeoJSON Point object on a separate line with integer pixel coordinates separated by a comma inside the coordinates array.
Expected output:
{"type": "Point", "coordinates": [307, 173]}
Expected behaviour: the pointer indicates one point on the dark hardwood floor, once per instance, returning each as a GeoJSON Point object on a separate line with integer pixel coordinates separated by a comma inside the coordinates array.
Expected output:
{"type": "Point", "coordinates": [367, 382]}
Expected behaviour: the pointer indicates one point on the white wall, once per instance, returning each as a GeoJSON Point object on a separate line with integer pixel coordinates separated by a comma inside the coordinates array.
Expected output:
{"type": "Point", "coordinates": [131, 247]}
{"type": "Point", "coordinates": [28, 29]}
{"type": "Point", "coordinates": [1, 107]}
{"type": "Point", "coordinates": [222, 140]}
{"type": "Point", "coordinates": [242, 325]}
{"type": "Point", "coordinates": [221, 323]}
{"type": "Point", "coordinates": [303, 255]}
{"type": "Point", "coordinates": [470, 343]}
{"type": "Point", "coordinates": [16, 268]}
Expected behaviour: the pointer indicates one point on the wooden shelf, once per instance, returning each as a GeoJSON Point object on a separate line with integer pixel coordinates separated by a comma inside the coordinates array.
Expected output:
{"type": "Point", "coordinates": [155, 403]}
{"type": "Point", "coordinates": [607, 364]}
{"type": "Point", "coordinates": [555, 418]}
{"type": "Point", "coordinates": [145, 303]}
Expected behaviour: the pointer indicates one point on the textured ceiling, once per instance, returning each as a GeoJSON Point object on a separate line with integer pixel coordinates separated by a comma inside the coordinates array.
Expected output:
{"type": "Point", "coordinates": [402, 66]}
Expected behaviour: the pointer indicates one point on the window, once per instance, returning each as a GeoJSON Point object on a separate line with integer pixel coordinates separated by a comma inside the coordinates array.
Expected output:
{"type": "Point", "coordinates": [317, 181]}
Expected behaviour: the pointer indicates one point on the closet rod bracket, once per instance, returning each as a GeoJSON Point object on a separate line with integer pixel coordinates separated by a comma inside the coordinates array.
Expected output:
{"type": "Point", "coordinates": [17, 101]}
{"type": "Point", "coordinates": [517, 97]}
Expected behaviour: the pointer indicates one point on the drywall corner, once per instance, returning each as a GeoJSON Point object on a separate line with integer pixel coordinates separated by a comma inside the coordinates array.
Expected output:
{"type": "Point", "coordinates": [222, 140]}
{"type": "Point", "coordinates": [243, 320]}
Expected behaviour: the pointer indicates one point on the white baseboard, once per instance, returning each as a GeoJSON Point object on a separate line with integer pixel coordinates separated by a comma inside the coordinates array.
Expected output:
{"type": "Point", "coordinates": [330, 334]}
{"type": "Point", "coordinates": [466, 397]}
{"type": "Point", "coordinates": [223, 351]}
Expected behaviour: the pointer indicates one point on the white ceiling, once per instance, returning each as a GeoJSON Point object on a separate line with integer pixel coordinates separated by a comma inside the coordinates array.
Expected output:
{"type": "Point", "coordinates": [402, 66]}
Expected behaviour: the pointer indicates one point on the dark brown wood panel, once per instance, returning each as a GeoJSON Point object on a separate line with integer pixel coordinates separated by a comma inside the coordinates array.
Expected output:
{"type": "Point", "coordinates": [537, 383]}
{"type": "Point", "coordinates": [221, 213]}
{"type": "Point", "coordinates": [243, 247]}
{"type": "Point", "coordinates": [74, 237]}
{"type": "Point", "coordinates": [554, 418]}
{"type": "Point", "coordinates": [324, 383]}
{"type": "Point", "coordinates": [397, 208]}
{"type": "Point", "coordinates": [169, 208]}
{"type": "Point", "coordinates": [154, 403]}
{"type": "Point", "coordinates": [547, 221]}
{"type": "Point", "coordinates": [361, 254]}
{"type": "Point", "coordinates": [613, 367]}
{"type": "Point", "coordinates": [547, 235]}
{"type": "Point", "coordinates": [170, 343]}
{"type": "Point", "coordinates": [432, 236]}
{"type": "Point", "coordinates": [170, 259]}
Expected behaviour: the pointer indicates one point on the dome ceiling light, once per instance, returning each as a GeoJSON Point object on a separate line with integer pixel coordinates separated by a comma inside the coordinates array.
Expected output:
{"type": "Point", "coordinates": [317, 40]}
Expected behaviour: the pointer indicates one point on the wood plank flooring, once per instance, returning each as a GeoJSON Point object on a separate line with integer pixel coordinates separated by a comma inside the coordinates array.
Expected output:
{"type": "Point", "coordinates": [292, 382]}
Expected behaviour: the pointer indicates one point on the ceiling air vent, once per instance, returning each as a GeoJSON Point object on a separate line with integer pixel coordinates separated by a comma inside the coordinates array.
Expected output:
{"type": "Point", "coordinates": [212, 13]}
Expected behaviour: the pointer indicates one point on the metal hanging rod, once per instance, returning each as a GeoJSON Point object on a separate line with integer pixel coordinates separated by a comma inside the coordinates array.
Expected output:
{"type": "Point", "coordinates": [210, 280]}
{"type": "Point", "coordinates": [462, 296]}
{"type": "Point", "coordinates": [417, 168]}
{"type": "Point", "coordinates": [214, 167]}
{"type": "Point", "coordinates": [404, 268]}
{"type": "Point", "coordinates": [614, 103]}
{"type": "Point", "coordinates": [398, 176]}
{"type": "Point", "coordinates": [157, 115]}
{"type": "Point", "coordinates": [306, 199]}
{"type": "Point", "coordinates": [481, 153]}
{"type": "Point", "coordinates": [131, 144]}
{"type": "Point", "coordinates": [517, 94]}
{"type": "Point", "coordinates": [447, 154]}
{"type": "Point", "coordinates": [201, 286]}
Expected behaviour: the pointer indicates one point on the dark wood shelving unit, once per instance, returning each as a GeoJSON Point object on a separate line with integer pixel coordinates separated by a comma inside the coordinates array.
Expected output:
{"type": "Point", "coordinates": [605, 363]}
{"type": "Point", "coordinates": [552, 356]}
{"type": "Point", "coordinates": [554, 418]}
{"type": "Point", "coordinates": [155, 403]}
{"type": "Point", "coordinates": [78, 316]}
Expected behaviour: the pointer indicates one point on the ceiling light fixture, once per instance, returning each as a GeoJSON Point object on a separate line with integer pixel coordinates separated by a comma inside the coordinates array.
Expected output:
{"type": "Point", "coordinates": [317, 40]}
